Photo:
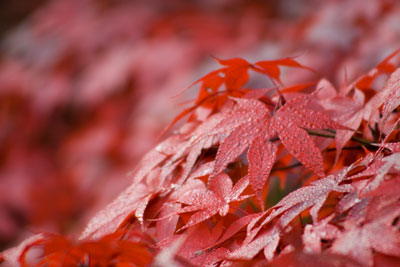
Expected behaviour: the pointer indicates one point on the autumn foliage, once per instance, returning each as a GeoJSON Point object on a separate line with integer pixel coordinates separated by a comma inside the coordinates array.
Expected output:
{"type": "Point", "coordinates": [306, 174]}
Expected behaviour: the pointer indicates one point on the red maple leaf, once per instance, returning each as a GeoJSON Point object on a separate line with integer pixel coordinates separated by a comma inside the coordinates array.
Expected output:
{"type": "Point", "coordinates": [365, 81]}
{"type": "Point", "coordinates": [234, 75]}
{"type": "Point", "coordinates": [291, 120]}
{"type": "Point", "coordinates": [247, 126]}
{"type": "Point", "coordinates": [346, 110]}
{"type": "Point", "coordinates": [250, 125]}
{"type": "Point", "coordinates": [373, 233]}
{"type": "Point", "coordinates": [288, 208]}
{"type": "Point", "coordinates": [271, 67]}
{"type": "Point", "coordinates": [197, 245]}
{"type": "Point", "coordinates": [208, 202]}
{"type": "Point", "coordinates": [110, 249]}
{"type": "Point", "coordinates": [314, 233]}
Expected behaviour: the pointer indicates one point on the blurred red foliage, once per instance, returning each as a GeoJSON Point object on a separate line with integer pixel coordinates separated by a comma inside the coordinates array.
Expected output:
{"type": "Point", "coordinates": [86, 87]}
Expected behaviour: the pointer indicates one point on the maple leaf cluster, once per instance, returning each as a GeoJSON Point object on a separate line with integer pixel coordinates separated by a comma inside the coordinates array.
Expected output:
{"type": "Point", "coordinates": [82, 99]}
{"type": "Point", "coordinates": [200, 195]}
{"type": "Point", "coordinates": [306, 174]}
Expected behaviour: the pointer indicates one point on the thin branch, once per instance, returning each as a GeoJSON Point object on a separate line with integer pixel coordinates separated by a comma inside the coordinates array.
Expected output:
{"type": "Point", "coordinates": [298, 164]}
{"type": "Point", "coordinates": [345, 148]}
{"type": "Point", "coordinates": [360, 140]}
{"type": "Point", "coordinates": [315, 133]}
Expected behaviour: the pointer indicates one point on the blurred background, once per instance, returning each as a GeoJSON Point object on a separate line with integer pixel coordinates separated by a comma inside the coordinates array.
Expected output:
{"type": "Point", "coordinates": [87, 86]}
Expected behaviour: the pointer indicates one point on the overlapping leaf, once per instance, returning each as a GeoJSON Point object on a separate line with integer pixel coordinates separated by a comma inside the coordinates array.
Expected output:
{"type": "Point", "coordinates": [234, 75]}
{"type": "Point", "coordinates": [312, 196]}
{"type": "Point", "coordinates": [346, 110]}
{"type": "Point", "coordinates": [184, 181]}
{"type": "Point", "coordinates": [378, 233]}
{"type": "Point", "coordinates": [272, 67]}
{"type": "Point", "coordinates": [290, 122]}
{"type": "Point", "coordinates": [110, 249]}
{"type": "Point", "coordinates": [208, 202]}
{"type": "Point", "coordinates": [248, 126]}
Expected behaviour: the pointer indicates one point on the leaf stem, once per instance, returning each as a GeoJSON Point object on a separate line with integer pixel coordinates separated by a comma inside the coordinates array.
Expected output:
{"type": "Point", "coordinates": [360, 140]}
{"type": "Point", "coordinates": [345, 148]}
{"type": "Point", "coordinates": [298, 164]}
{"type": "Point", "coordinates": [332, 134]}
{"type": "Point", "coordinates": [315, 133]}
